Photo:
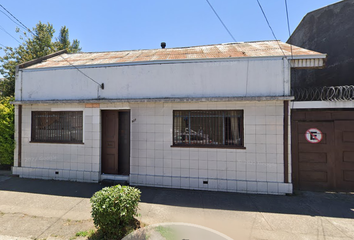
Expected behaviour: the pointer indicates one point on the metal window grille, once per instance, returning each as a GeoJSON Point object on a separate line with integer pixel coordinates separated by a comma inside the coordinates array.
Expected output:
{"type": "Point", "coordinates": [57, 127]}
{"type": "Point", "coordinates": [208, 128]}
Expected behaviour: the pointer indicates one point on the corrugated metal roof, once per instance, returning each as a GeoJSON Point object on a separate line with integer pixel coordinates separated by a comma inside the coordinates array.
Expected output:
{"type": "Point", "coordinates": [227, 50]}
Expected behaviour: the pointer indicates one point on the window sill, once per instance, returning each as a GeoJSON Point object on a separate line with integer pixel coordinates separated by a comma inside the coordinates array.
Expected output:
{"type": "Point", "coordinates": [81, 143]}
{"type": "Point", "coordinates": [205, 146]}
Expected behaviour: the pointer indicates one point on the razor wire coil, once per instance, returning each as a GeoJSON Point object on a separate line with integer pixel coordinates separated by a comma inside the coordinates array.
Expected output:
{"type": "Point", "coordinates": [327, 93]}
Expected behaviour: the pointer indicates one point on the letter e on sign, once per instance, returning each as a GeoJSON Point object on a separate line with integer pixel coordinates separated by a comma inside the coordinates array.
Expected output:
{"type": "Point", "coordinates": [313, 135]}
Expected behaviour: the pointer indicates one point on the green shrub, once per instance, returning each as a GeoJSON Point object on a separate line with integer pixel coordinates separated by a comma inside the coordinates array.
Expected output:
{"type": "Point", "coordinates": [7, 143]}
{"type": "Point", "coordinates": [113, 210]}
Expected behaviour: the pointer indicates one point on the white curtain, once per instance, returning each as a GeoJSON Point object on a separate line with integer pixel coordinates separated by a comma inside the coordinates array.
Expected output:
{"type": "Point", "coordinates": [234, 130]}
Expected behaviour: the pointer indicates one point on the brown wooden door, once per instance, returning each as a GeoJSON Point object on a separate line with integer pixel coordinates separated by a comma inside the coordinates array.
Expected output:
{"type": "Point", "coordinates": [313, 163]}
{"type": "Point", "coordinates": [344, 147]}
{"type": "Point", "coordinates": [124, 143]}
{"type": "Point", "coordinates": [110, 121]}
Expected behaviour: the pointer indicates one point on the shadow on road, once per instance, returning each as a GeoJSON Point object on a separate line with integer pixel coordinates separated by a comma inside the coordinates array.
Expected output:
{"type": "Point", "coordinates": [303, 203]}
{"type": "Point", "coordinates": [50, 187]}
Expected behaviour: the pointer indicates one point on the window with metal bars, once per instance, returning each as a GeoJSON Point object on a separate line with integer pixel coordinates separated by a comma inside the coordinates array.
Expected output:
{"type": "Point", "coordinates": [209, 128]}
{"type": "Point", "coordinates": [57, 127]}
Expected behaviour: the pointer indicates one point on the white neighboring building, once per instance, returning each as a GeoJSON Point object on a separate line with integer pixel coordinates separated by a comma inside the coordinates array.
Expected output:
{"type": "Point", "coordinates": [210, 117]}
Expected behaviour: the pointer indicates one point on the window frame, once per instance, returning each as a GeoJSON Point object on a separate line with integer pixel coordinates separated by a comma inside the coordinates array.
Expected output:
{"type": "Point", "coordinates": [241, 133]}
{"type": "Point", "coordinates": [35, 139]}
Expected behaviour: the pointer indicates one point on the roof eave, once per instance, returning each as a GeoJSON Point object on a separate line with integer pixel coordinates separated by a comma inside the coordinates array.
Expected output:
{"type": "Point", "coordinates": [163, 99]}
{"type": "Point", "coordinates": [171, 61]}
{"type": "Point", "coordinates": [309, 63]}
{"type": "Point", "coordinates": [41, 59]}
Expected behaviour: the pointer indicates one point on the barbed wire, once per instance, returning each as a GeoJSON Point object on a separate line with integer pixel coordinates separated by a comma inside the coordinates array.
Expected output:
{"type": "Point", "coordinates": [326, 93]}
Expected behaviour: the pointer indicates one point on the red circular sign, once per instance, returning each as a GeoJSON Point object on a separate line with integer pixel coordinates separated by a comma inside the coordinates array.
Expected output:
{"type": "Point", "coordinates": [313, 135]}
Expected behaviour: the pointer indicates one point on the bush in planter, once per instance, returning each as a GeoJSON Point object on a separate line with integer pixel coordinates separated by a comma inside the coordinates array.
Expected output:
{"type": "Point", "coordinates": [113, 210]}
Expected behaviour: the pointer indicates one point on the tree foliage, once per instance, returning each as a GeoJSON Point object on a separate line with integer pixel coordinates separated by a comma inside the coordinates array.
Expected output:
{"type": "Point", "coordinates": [7, 143]}
{"type": "Point", "coordinates": [37, 43]}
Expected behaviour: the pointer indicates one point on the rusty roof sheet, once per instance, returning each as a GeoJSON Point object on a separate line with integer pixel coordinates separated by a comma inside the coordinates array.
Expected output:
{"type": "Point", "coordinates": [227, 50]}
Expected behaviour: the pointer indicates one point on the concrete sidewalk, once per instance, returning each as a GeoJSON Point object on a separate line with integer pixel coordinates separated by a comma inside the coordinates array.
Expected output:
{"type": "Point", "coordinates": [38, 209]}
{"type": "Point", "coordinates": [245, 216]}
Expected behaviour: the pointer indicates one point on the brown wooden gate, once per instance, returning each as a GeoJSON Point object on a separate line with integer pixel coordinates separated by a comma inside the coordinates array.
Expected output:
{"type": "Point", "coordinates": [326, 163]}
{"type": "Point", "coordinates": [344, 149]}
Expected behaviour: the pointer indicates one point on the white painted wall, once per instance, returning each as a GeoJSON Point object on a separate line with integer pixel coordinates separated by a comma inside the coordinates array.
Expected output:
{"type": "Point", "coordinates": [256, 169]}
{"type": "Point", "coordinates": [242, 77]}
{"type": "Point", "coordinates": [321, 104]}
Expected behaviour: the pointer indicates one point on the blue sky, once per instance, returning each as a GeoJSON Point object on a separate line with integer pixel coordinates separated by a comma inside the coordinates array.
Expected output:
{"type": "Point", "coordinates": [109, 25]}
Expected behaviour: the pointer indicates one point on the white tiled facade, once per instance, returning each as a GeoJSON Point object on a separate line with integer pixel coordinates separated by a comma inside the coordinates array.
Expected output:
{"type": "Point", "coordinates": [153, 162]}
{"type": "Point", "coordinates": [78, 162]}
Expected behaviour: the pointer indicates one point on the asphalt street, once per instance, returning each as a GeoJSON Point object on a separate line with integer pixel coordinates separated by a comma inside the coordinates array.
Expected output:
{"type": "Point", "coordinates": [43, 209]}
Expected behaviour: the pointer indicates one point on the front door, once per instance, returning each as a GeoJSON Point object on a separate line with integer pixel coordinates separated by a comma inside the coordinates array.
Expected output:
{"type": "Point", "coordinates": [124, 143]}
{"type": "Point", "coordinates": [116, 142]}
{"type": "Point", "coordinates": [110, 123]}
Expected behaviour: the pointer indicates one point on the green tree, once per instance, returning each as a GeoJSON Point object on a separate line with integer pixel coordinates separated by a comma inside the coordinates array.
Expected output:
{"type": "Point", "coordinates": [37, 43]}
{"type": "Point", "coordinates": [7, 143]}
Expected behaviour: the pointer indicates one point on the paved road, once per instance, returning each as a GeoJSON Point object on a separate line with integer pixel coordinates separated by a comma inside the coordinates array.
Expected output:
{"type": "Point", "coordinates": [245, 216]}
{"type": "Point", "coordinates": [41, 209]}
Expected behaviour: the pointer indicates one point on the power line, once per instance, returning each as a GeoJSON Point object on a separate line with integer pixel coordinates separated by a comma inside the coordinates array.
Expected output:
{"type": "Point", "coordinates": [14, 17]}
{"type": "Point", "coordinates": [221, 21]}
{"type": "Point", "coordinates": [12, 20]}
{"type": "Point", "coordinates": [9, 34]}
{"type": "Point", "coordinates": [101, 85]}
{"type": "Point", "coordinates": [287, 18]}
{"type": "Point", "coordinates": [265, 16]}
{"type": "Point", "coordinates": [19, 22]}
{"type": "Point", "coordinates": [29, 30]}
{"type": "Point", "coordinates": [291, 46]}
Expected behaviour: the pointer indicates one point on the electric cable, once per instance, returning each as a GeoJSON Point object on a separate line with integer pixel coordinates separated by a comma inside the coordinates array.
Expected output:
{"type": "Point", "coordinates": [14, 17]}
{"type": "Point", "coordinates": [287, 18]}
{"type": "Point", "coordinates": [9, 34]}
{"type": "Point", "coordinates": [23, 28]}
{"type": "Point", "coordinates": [82, 72]}
{"type": "Point", "coordinates": [221, 21]}
{"type": "Point", "coordinates": [291, 46]}
{"type": "Point", "coordinates": [29, 30]}
{"type": "Point", "coordinates": [12, 20]}
{"type": "Point", "coordinates": [265, 16]}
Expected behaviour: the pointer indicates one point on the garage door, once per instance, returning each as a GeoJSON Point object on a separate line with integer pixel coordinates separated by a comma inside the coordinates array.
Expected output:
{"type": "Point", "coordinates": [315, 159]}
{"type": "Point", "coordinates": [322, 153]}
{"type": "Point", "coordinates": [344, 149]}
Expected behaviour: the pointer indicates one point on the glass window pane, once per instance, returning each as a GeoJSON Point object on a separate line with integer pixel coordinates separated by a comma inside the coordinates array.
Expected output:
{"type": "Point", "coordinates": [61, 127]}
{"type": "Point", "coordinates": [207, 127]}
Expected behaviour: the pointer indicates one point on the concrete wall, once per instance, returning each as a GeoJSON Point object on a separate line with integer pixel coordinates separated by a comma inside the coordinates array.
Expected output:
{"type": "Point", "coordinates": [243, 77]}
{"type": "Point", "coordinates": [321, 104]}
{"type": "Point", "coordinates": [328, 30]}
{"type": "Point", "coordinates": [256, 169]}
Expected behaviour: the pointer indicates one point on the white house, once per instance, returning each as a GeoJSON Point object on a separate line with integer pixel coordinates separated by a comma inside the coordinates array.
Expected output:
{"type": "Point", "coordinates": [212, 117]}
